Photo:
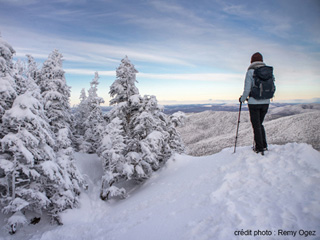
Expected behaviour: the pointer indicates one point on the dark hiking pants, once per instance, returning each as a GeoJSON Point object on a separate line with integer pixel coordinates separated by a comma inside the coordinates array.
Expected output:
{"type": "Point", "coordinates": [257, 114]}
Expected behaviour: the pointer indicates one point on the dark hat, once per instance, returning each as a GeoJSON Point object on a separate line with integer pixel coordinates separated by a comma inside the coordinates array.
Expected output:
{"type": "Point", "coordinates": [257, 57]}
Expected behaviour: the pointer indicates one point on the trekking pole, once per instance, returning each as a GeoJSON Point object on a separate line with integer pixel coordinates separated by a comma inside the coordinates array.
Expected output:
{"type": "Point", "coordinates": [235, 144]}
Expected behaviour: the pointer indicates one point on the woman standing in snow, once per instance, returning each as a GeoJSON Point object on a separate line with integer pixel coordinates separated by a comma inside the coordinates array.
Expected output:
{"type": "Point", "coordinates": [258, 108]}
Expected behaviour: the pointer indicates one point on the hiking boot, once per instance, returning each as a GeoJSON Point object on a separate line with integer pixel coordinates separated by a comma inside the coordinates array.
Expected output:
{"type": "Point", "coordinates": [258, 151]}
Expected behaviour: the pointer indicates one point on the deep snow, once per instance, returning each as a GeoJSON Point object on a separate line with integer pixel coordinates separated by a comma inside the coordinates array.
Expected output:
{"type": "Point", "coordinates": [207, 197]}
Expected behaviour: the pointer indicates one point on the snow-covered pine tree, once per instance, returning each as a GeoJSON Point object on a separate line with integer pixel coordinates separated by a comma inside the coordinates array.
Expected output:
{"type": "Point", "coordinates": [68, 196]}
{"type": "Point", "coordinates": [56, 93]}
{"type": "Point", "coordinates": [80, 116]}
{"type": "Point", "coordinates": [20, 76]}
{"type": "Point", "coordinates": [113, 147]}
{"type": "Point", "coordinates": [82, 113]}
{"type": "Point", "coordinates": [112, 153]}
{"type": "Point", "coordinates": [31, 174]}
{"type": "Point", "coordinates": [149, 136]}
{"type": "Point", "coordinates": [33, 70]}
{"type": "Point", "coordinates": [8, 93]}
{"type": "Point", "coordinates": [124, 86]}
{"type": "Point", "coordinates": [153, 136]}
{"type": "Point", "coordinates": [8, 86]}
{"type": "Point", "coordinates": [121, 90]}
{"type": "Point", "coordinates": [94, 122]}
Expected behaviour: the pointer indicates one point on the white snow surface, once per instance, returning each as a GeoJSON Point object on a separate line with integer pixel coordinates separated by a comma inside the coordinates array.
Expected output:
{"type": "Point", "coordinates": [207, 197]}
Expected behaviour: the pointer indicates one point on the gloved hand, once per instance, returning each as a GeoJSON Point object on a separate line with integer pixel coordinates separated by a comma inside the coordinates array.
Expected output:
{"type": "Point", "coordinates": [240, 99]}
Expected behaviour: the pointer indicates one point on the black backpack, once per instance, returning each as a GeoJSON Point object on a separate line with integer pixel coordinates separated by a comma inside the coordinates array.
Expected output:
{"type": "Point", "coordinates": [263, 84]}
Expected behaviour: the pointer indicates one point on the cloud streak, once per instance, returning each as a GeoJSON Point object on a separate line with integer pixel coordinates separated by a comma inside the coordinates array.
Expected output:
{"type": "Point", "coordinates": [212, 77]}
{"type": "Point", "coordinates": [88, 72]}
{"type": "Point", "coordinates": [81, 51]}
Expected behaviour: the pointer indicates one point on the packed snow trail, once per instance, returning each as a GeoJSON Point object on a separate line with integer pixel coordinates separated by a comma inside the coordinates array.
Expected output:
{"type": "Point", "coordinates": [211, 197]}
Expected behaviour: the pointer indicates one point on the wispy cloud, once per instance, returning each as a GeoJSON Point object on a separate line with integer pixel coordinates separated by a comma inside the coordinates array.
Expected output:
{"type": "Point", "coordinates": [19, 2]}
{"type": "Point", "coordinates": [237, 9]}
{"type": "Point", "coordinates": [260, 16]}
{"type": "Point", "coordinates": [212, 77]}
{"type": "Point", "coordinates": [88, 72]}
{"type": "Point", "coordinates": [87, 52]}
{"type": "Point", "coordinates": [32, 2]}
{"type": "Point", "coordinates": [63, 14]}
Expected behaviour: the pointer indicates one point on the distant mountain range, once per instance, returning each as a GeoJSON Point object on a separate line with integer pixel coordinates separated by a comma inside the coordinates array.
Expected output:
{"type": "Point", "coordinates": [229, 107]}
{"type": "Point", "coordinates": [209, 132]}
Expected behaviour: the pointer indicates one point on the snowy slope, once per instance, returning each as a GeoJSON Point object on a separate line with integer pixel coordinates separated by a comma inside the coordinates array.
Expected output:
{"type": "Point", "coordinates": [294, 109]}
{"type": "Point", "coordinates": [209, 132]}
{"type": "Point", "coordinates": [207, 197]}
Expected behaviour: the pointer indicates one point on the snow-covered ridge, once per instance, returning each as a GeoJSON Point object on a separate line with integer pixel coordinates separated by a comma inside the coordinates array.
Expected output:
{"type": "Point", "coordinates": [294, 109]}
{"type": "Point", "coordinates": [208, 197]}
{"type": "Point", "coordinates": [209, 132]}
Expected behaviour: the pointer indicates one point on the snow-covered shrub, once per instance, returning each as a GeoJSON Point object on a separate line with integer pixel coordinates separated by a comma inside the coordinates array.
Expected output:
{"type": "Point", "coordinates": [178, 119]}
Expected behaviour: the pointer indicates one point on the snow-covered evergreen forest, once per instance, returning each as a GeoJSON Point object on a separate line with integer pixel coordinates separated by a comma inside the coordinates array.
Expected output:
{"type": "Point", "coordinates": [39, 136]}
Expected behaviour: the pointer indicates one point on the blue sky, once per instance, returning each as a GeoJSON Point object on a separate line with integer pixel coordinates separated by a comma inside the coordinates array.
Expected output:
{"type": "Point", "coordinates": [185, 51]}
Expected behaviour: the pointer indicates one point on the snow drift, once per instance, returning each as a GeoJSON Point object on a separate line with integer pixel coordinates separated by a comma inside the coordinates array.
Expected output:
{"type": "Point", "coordinates": [210, 197]}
